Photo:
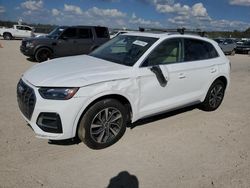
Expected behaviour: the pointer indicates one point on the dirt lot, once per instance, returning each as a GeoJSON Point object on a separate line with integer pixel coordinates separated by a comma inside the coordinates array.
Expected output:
{"type": "Point", "coordinates": [190, 148]}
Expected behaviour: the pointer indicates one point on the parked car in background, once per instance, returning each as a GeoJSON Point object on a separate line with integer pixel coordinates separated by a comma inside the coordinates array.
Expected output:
{"type": "Point", "coordinates": [65, 41]}
{"type": "Point", "coordinates": [18, 31]}
{"type": "Point", "coordinates": [119, 32]}
{"type": "Point", "coordinates": [243, 48]}
{"type": "Point", "coordinates": [133, 76]}
{"type": "Point", "coordinates": [241, 41]}
{"type": "Point", "coordinates": [227, 45]}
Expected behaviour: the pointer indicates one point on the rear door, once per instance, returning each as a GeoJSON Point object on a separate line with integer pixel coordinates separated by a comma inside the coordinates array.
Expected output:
{"type": "Point", "coordinates": [199, 67]}
{"type": "Point", "coordinates": [19, 31]}
{"type": "Point", "coordinates": [85, 40]}
{"type": "Point", "coordinates": [101, 35]}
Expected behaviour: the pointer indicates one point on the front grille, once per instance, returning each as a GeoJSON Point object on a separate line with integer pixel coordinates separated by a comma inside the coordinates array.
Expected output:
{"type": "Point", "coordinates": [26, 99]}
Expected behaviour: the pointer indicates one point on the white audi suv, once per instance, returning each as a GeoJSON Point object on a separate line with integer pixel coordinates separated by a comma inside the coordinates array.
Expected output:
{"type": "Point", "coordinates": [134, 75]}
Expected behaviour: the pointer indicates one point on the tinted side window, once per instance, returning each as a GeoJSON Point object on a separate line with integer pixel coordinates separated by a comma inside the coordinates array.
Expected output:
{"type": "Point", "coordinates": [167, 52]}
{"type": "Point", "coordinates": [85, 33]}
{"type": "Point", "coordinates": [101, 32]}
{"type": "Point", "coordinates": [20, 27]}
{"type": "Point", "coordinates": [28, 29]}
{"type": "Point", "coordinates": [69, 33]}
{"type": "Point", "coordinates": [198, 50]}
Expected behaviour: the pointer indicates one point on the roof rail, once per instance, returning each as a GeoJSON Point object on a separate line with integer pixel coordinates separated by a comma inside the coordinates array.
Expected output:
{"type": "Point", "coordinates": [182, 31]}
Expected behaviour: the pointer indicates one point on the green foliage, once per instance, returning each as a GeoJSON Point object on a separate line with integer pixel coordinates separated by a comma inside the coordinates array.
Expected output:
{"type": "Point", "coordinates": [230, 34]}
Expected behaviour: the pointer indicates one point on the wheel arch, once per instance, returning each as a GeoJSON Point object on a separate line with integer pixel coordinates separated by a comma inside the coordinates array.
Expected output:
{"type": "Point", "coordinates": [6, 32]}
{"type": "Point", "coordinates": [222, 78]}
{"type": "Point", "coordinates": [121, 98]}
{"type": "Point", "coordinates": [42, 46]}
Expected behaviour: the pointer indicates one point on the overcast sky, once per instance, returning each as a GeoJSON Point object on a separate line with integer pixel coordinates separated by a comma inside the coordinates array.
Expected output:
{"type": "Point", "coordinates": [208, 15]}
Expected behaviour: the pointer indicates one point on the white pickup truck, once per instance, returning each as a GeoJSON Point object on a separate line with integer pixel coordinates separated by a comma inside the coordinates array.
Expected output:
{"type": "Point", "coordinates": [18, 31]}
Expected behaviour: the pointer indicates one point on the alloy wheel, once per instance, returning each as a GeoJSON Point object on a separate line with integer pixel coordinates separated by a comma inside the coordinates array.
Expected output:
{"type": "Point", "coordinates": [106, 125]}
{"type": "Point", "coordinates": [216, 96]}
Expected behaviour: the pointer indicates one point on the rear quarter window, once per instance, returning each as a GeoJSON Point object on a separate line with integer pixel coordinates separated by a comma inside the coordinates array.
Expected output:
{"type": "Point", "coordinates": [195, 50]}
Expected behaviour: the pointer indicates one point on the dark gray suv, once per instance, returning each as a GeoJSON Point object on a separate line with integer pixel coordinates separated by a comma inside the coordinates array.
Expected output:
{"type": "Point", "coordinates": [65, 41]}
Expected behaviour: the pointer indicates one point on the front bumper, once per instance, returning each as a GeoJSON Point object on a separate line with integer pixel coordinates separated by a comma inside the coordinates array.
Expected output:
{"type": "Point", "coordinates": [27, 51]}
{"type": "Point", "coordinates": [53, 119]}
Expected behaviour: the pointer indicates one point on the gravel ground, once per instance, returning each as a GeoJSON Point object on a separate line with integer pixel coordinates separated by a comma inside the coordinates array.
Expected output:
{"type": "Point", "coordinates": [188, 148]}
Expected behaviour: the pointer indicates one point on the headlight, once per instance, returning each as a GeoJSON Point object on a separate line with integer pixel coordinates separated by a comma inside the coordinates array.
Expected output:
{"type": "Point", "coordinates": [58, 93]}
{"type": "Point", "coordinates": [29, 45]}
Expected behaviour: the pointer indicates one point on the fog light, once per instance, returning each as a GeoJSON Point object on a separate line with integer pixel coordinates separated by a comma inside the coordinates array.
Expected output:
{"type": "Point", "coordinates": [49, 122]}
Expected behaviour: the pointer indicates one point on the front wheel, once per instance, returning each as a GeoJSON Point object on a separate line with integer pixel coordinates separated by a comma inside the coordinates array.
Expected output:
{"type": "Point", "coordinates": [214, 96]}
{"type": "Point", "coordinates": [103, 124]}
{"type": "Point", "coordinates": [43, 54]}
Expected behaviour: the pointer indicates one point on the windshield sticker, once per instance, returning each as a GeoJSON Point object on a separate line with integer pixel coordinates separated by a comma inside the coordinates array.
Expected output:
{"type": "Point", "coordinates": [140, 43]}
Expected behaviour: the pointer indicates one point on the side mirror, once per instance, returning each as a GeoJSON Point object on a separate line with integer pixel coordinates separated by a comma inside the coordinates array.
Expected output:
{"type": "Point", "coordinates": [159, 75]}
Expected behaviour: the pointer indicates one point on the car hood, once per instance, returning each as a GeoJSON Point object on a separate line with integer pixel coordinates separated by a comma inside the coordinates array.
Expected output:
{"type": "Point", "coordinates": [38, 39]}
{"type": "Point", "coordinates": [75, 71]}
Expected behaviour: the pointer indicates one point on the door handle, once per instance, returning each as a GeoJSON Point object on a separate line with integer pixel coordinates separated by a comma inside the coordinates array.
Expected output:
{"type": "Point", "coordinates": [182, 75]}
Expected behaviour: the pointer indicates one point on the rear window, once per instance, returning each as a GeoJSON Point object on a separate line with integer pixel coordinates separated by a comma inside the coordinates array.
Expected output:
{"type": "Point", "coordinates": [85, 33]}
{"type": "Point", "coordinates": [101, 32]}
{"type": "Point", "coordinates": [198, 50]}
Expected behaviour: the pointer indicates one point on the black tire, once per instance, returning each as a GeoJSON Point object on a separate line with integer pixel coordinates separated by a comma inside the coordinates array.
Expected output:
{"type": "Point", "coordinates": [214, 96]}
{"type": "Point", "coordinates": [7, 36]}
{"type": "Point", "coordinates": [43, 54]}
{"type": "Point", "coordinates": [103, 124]}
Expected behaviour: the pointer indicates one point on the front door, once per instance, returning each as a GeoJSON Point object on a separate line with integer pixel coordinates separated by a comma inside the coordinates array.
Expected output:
{"type": "Point", "coordinates": [159, 85]}
{"type": "Point", "coordinates": [67, 43]}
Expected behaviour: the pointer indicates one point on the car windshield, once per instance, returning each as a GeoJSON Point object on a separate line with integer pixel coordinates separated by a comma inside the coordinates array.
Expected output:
{"type": "Point", "coordinates": [124, 49]}
{"type": "Point", "coordinates": [56, 32]}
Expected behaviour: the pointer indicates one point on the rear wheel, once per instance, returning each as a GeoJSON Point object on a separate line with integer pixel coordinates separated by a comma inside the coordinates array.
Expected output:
{"type": "Point", "coordinates": [43, 54]}
{"type": "Point", "coordinates": [103, 124]}
{"type": "Point", "coordinates": [214, 96]}
{"type": "Point", "coordinates": [7, 36]}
